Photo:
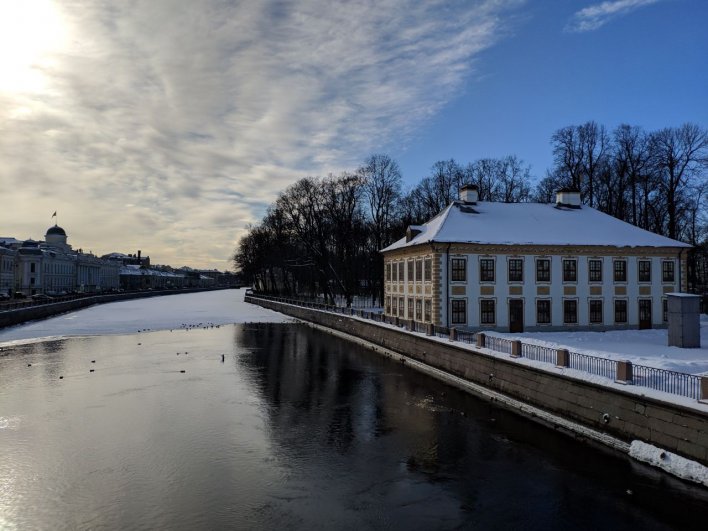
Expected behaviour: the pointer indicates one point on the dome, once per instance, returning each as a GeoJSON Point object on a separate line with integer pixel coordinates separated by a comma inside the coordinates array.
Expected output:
{"type": "Point", "coordinates": [56, 229]}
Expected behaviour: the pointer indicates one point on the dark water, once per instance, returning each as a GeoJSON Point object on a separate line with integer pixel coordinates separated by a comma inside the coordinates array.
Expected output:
{"type": "Point", "coordinates": [294, 430]}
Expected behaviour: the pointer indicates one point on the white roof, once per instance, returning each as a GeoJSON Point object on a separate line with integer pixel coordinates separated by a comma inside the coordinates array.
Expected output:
{"type": "Point", "coordinates": [530, 224]}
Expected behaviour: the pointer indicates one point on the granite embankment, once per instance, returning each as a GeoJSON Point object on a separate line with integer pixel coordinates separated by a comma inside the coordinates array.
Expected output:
{"type": "Point", "coordinates": [40, 311]}
{"type": "Point", "coordinates": [622, 416]}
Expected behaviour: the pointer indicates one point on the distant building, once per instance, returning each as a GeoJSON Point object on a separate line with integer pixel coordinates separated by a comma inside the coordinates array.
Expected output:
{"type": "Point", "coordinates": [530, 266]}
{"type": "Point", "coordinates": [53, 267]}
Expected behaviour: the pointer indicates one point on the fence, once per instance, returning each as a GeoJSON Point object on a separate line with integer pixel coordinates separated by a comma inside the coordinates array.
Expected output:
{"type": "Point", "coordinates": [677, 383]}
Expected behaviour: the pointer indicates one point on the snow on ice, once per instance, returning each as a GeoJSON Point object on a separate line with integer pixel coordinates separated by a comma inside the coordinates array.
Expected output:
{"type": "Point", "coordinates": [154, 313]}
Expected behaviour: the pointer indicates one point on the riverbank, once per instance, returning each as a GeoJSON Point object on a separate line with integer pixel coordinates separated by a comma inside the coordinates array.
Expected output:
{"type": "Point", "coordinates": [613, 414]}
{"type": "Point", "coordinates": [41, 311]}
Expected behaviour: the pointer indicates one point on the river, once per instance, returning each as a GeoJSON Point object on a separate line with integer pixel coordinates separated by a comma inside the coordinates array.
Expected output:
{"type": "Point", "coordinates": [294, 429]}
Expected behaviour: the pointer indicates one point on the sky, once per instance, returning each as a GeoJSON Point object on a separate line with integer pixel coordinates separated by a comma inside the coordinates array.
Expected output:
{"type": "Point", "coordinates": [170, 126]}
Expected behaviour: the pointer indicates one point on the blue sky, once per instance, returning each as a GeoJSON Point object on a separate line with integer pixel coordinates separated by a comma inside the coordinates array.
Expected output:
{"type": "Point", "coordinates": [170, 126]}
{"type": "Point", "coordinates": [648, 67]}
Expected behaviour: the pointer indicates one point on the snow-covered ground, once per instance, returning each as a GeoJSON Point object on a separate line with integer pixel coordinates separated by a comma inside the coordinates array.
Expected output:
{"type": "Point", "coordinates": [642, 347]}
{"type": "Point", "coordinates": [154, 313]}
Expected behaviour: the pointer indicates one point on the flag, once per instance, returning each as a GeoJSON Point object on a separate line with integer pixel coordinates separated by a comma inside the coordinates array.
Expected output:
{"type": "Point", "coordinates": [55, 214]}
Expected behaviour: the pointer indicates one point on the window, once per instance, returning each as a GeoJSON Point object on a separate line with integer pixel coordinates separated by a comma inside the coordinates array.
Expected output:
{"type": "Point", "coordinates": [487, 312]}
{"type": "Point", "coordinates": [418, 270]}
{"type": "Point", "coordinates": [394, 272]}
{"type": "Point", "coordinates": [621, 311]}
{"type": "Point", "coordinates": [428, 269]}
{"type": "Point", "coordinates": [32, 267]}
{"type": "Point", "coordinates": [486, 270]}
{"type": "Point", "coordinates": [667, 271]}
{"type": "Point", "coordinates": [570, 311]}
{"type": "Point", "coordinates": [410, 308]}
{"type": "Point", "coordinates": [418, 309]}
{"type": "Point", "coordinates": [516, 270]}
{"type": "Point", "coordinates": [620, 270]}
{"type": "Point", "coordinates": [411, 265]}
{"type": "Point", "coordinates": [596, 311]}
{"type": "Point", "coordinates": [543, 270]}
{"type": "Point", "coordinates": [428, 308]}
{"type": "Point", "coordinates": [644, 271]}
{"type": "Point", "coordinates": [459, 311]}
{"type": "Point", "coordinates": [595, 271]}
{"type": "Point", "coordinates": [388, 271]}
{"type": "Point", "coordinates": [388, 305]}
{"type": "Point", "coordinates": [400, 272]}
{"type": "Point", "coordinates": [570, 270]}
{"type": "Point", "coordinates": [543, 312]}
{"type": "Point", "coordinates": [459, 269]}
{"type": "Point", "coordinates": [401, 307]}
{"type": "Point", "coordinates": [394, 306]}
{"type": "Point", "coordinates": [665, 310]}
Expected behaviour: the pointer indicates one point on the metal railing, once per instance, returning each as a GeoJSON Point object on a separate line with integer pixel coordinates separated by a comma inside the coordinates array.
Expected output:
{"type": "Point", "coordinates": [539, 353]}
{"type": "Point", "coordinates": [677, 383]}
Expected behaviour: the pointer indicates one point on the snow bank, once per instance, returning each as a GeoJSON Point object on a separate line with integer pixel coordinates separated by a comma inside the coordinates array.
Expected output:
{"type": "Point", "coordinates": [671, 463]}
{"type": "Point", "coordinates": [154, 313]}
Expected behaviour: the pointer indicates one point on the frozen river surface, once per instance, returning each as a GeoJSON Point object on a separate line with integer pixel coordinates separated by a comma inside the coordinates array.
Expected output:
{"type": "Point", "coordinates": [294, 429]}
{"type": "Point", "coordinates": [154, 313]}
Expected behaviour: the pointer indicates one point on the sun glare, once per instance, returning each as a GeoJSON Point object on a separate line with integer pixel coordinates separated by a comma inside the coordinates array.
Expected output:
{"type": "Point", "coordinates": [30, 30]}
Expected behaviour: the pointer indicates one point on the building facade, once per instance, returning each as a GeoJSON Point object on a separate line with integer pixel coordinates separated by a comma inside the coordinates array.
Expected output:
{"type": "Point", "coordinates": [528, 266]}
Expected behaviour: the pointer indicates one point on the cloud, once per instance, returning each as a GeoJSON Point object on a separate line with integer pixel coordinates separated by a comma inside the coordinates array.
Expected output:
{"type": "Point", "coordinates": [196, 114]}
{"type": "Point", "coordinates": [597, 15]}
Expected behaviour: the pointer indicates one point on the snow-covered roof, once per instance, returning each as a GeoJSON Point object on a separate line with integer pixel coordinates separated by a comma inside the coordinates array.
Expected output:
{"type": "Point", "coordinates": [530, 224]}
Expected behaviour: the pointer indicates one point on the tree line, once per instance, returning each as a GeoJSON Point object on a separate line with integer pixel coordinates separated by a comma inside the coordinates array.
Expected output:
{"type": "Point", "coordinates": [322, 235]}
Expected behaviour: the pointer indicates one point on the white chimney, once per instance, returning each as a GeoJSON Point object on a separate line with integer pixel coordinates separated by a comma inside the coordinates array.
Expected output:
{"type": "Point", "coordinates": [568, 197]}
{"type": "Point", "coordinates": [469, 193]}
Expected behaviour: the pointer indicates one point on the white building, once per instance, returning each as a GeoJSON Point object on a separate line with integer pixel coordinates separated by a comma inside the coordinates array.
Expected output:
{"type": "Point", "coordinates": [531, 266]}
{"type": "Point", "coordinates": [53, 267]}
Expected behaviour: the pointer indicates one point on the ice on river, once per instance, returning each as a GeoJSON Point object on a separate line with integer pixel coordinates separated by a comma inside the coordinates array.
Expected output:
{"type": "Point", "coordinates": [154, 313]}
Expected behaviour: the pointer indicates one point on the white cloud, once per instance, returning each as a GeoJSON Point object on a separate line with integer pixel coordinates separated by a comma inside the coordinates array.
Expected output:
{"type": "Point", "coordinates": [597, 15]}
{"type": "Point", "coordinates": [168, 126]}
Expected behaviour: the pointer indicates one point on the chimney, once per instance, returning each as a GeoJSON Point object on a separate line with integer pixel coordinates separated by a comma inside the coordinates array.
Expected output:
{"type": "Point", "coordinates": [469, 193]}
{"type": "Point", "coordinates": [139, 253]}
{"type": "Point", "coordinates": [412, 232]}
{"type": "Point", "coordinates": [568, 197]}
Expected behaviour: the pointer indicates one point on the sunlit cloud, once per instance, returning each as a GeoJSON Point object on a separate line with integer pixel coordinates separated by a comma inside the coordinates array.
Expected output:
{"type": "Point", "coordinates": [168, 127]}
{"type": "Point", "coordinates": [597, 15]}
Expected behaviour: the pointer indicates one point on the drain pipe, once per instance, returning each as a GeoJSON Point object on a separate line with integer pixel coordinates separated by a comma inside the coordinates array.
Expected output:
{"type": "Point", "coordinates": [447, 286]}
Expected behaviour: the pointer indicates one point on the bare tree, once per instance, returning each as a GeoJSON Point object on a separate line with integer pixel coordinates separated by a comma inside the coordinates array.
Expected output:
{"type": "Point", "coordinates": [678, 154]}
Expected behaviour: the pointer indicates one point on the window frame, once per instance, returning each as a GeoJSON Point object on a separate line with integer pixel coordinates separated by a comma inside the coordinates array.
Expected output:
{"type": "Point", "coordinates": [664, 310]}
{"type": "Point", "coordinates": [484, 272]}
{"type": "Point", "coordinates": [538, 312]}
{"type": "Point", "coordinates": [540, 270]}
{"type": "Point", "coordinates": [566, 303]}
{"type": "Point", "coordinates": [410, 270]}
{"type": "Point", "coordinates": [427, 269]}
{"type": "Point", "coordinates": [456, 312]}
{"type": "Point", "coordinates": [520, 263]}
{"type": "Point", "coordinates": [456, 270]}
{"type": "Point", "coordinates": [574, 270]}
{"type": "Point", "coordinates": [593, 312]}
{"type": "Point", "coordinates": [665, 270]}
{"type": "Point", "coordinates": [597, 277]}
{"type": "Point", "coordinates": [428, 310]}
{"type": "Point", "coordinates": [644, 275]}
{"type": "Point", "coordinates": [419, 309]}
{"type": "Point", "coordinates": [419, 270]}
{"type": "Point", "coordinates": [486, 312]}
{"type": "Point", "coordinates": [619, 274]}
{"type": "Point", "coordinates": [616, 312]}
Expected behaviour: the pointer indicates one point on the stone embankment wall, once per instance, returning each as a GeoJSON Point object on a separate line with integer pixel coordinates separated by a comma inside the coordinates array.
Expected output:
{"type": "Point", "coordinates": [623, 415]}
{"type": "Point", "coordinates": [40, 311]}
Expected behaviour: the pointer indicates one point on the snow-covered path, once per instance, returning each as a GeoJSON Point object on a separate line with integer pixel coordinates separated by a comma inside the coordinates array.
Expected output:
{"type": "Point", "coordinates": [155, 313]}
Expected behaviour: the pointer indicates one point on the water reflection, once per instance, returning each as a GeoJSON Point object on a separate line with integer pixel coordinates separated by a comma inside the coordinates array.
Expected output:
{"type": "Point", "coordinates": [295, 429]}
